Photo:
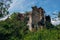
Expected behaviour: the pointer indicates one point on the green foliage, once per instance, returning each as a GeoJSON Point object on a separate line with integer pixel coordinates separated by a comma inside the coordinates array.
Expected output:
{"type": "Point", "coordinates": [49, 25]}
{"type": "Point", "coordinates": [4, 7]}
{"type": "Point", "coordinates": [58, 27]}
{"type": "Point", "coordinates": [14, 16]}
{"type": "Point", "coordinates": [43, 35]}
{"type": "Point", "coordinates": [59, 14]}
{"type": "Point", "coordinates": [1, 15]}
{"type": "Point", "coordinates": [11, 29]}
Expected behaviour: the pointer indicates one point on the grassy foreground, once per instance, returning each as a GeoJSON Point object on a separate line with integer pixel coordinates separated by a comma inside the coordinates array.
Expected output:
{"type": "Point", "coordinates": [12, 29]}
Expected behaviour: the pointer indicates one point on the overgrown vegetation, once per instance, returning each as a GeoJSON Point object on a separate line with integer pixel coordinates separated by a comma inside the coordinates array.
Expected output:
{"type": "Point", "coordinates": [13, 29]}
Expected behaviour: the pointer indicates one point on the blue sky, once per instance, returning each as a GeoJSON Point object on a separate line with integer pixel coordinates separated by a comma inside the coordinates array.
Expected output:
{"type": "Point", "coordinates": [50, 6]}
{"type": "Point", "coordinates": [25, 5]}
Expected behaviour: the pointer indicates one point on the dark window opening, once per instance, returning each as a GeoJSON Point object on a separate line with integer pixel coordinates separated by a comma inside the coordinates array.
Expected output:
{"type": "Point", "coordinates": [32, 25]}
{"type": "Point", "coordinates": [40, 23]}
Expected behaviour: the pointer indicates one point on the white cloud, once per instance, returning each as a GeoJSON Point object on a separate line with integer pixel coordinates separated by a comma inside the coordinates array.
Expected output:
{"type": "Point", "coordinates": [4, 18]}
{"type": "Point", "coordinates": [57, 22]}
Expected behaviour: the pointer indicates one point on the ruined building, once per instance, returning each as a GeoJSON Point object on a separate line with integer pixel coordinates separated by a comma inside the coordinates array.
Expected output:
{"type": "Point", "coordinates": [37, 19]}
{"type": "Point", "coordinates": [20, 17]}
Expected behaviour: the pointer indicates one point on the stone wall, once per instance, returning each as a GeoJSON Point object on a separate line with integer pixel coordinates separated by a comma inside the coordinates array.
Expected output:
{"type": "Point", "coordinates": [36, 18]}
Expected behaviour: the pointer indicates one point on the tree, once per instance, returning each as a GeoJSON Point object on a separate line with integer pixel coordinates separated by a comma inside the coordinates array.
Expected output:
{"type": "Point", "coordinates": [12, 29]}
{"type": "Point", "coordinates": [4, 5]}
{"type": "Point", "coordinates": [59, 15]}
{"type": "Point", "coordinates": [14, 16]}
{"type": "Point", "coordinates": [56, 16]}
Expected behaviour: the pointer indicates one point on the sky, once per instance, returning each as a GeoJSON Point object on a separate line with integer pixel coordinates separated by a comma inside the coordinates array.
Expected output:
{"type": "Point", "coordinates": [50, 6]}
